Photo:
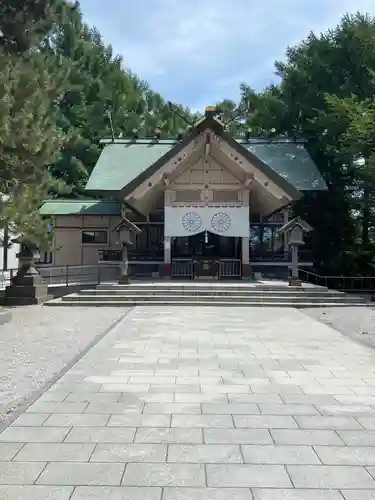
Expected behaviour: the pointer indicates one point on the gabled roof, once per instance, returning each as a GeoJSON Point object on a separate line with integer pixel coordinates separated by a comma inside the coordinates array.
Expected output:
{"type": "Point", "coordinates": [80, 207]}
{"type": "Point", "coordinates": [297, 221]}
{"type": "Point", "coordinates": [124, 164]}
{"type": "Point", "coordinates": [127, 224]}
{"type": "Point", "coordinates": [291, 161]}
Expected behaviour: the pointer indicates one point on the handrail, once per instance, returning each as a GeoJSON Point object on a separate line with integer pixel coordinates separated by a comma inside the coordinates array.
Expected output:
{"type": "Point", "coordinates": [341, 283]}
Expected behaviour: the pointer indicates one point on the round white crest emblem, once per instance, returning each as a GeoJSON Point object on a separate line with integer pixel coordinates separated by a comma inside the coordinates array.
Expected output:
{"type": "Point", "coordinates": [191, 221]}
{"type": "Point", "coordinates": [221, 222]}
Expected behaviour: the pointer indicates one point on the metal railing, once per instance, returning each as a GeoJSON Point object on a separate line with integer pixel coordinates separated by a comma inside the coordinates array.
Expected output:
{"type": "Point", "coordinates": [152, 269]}
{"type": "Point", "coordinates": [279, 256]}
{"type": "Point", "coordinates": [80, 275]}
{"type": "Point", "coordinates": [230, 268]}
{"type": "Point", "coordinates": [182, 268]}
{"type": "Point", "coordinates": [70, 275]}
{"type": "Point", "coordinates": [341, 283]}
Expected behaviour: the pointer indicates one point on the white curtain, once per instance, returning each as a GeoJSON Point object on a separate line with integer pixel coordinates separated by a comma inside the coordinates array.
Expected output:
{"type": "Point", "coordinates": [186, 221]}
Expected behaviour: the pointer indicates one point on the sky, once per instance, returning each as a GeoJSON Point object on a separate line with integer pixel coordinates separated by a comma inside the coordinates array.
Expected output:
{"type": "Point", "coordinates": [198, 52]}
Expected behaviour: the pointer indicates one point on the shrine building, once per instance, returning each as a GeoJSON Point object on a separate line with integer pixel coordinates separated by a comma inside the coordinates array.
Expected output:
{"type": "Point", "coordinates": [208, 205]}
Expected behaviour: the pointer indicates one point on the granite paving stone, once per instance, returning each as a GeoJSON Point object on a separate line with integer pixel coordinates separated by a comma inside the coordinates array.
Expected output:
{"type": "Point", "coordinates": [186, 404]}
{"type": "Point", "coordinates": [171, 408]}
{"type": "Point", "coordinates": [296, 494]}
{"type": "Point", "coordinates": [20, 472]}
{"type": "Point", "coordinates": [85, 474]}
{"type": "Point", "coordinates": [34, 434]}
{"type": "Point", "coordinates": [119, 453]}
{"type": "Point", "coordinates": [41, 407]}
{"type": "Point", "coordinates": [187, 420]}
{"type": "Point", "coordinates": [9, 450]}
{"type": "Point", "coordinates": [230, 409]}
{"type": "Point", "coordinates": [265, 421]}
{"type": "Point", "coordinates": [93, 397]}
{"type": "Point", "coordinates": [139, 420]}
{"type": "Point", "coordinates": [77, 420]}
{"type": "Point", "coordinates": [169, 435]}
{"type": "Point", "coordinates": [274, 454]}
{"type": "Point", "coordinates": [287, 409]}
{"type": "Point", "coordinates": [207, 494]}
{"type": "Point", "coordinates": [31, 419]}
{"type": "Point", "coordinates": [147, 474]}
{"type": "Point", "coordinates": [251, 476]}
{"type": "Point", "coordinates": [205, 454]}
{"type": "Point", "coordinates": [35, 492]}
{"type": "Point", "coordinates": [357, 438]}
{"type": "Point", "coordinates": [98, 408]}
{"type": "Point", "coordinates": [115, 493]}
{"type": "Point", "coordinates": [330, 477]}
{"type": "Point", "coordinates": [340, 455]}
{"type": "Point", "coordinates": [309, 437]}
{"type": "Point", "coordinates": [329, 422]}
{"type": "Point", "coordinates": [358, 494]}
{"type": "Point", "coordinates": [101, 435]}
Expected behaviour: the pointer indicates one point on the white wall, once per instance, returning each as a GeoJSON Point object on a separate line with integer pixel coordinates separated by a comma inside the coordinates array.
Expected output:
{"type": "Point", "coordinates": [12, 251]}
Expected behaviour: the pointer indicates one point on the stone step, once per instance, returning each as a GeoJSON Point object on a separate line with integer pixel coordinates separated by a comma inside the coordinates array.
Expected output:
{"type": "Point", "coordinates": [196, 297]}
{"type": "Point", "coordinates": [220, 288]}
{"type": "Point", "coordinates": [215, 292]}
{"type": "Point", "coordinates": [82, 302]}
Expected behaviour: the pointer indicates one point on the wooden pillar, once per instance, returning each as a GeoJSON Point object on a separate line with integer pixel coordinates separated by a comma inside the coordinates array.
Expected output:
{"type": "Point", "coordinates": [167, 267]}
{"type": "Point", "coordinates": [245, 241]}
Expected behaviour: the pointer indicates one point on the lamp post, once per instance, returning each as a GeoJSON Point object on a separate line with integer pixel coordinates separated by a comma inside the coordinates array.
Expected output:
{"type": "Point", "coordinates": [126, 231]}
{"type": "Point", "coordinates": [294, 232]}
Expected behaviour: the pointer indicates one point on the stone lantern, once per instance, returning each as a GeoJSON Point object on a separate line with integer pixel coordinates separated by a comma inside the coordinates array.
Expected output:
{"type": "Point", "coordinates": [27, 286]}
{"type": "Point", "coordinates": [295, 231]}
{"type": "Point", "coordinates": [126, 232]}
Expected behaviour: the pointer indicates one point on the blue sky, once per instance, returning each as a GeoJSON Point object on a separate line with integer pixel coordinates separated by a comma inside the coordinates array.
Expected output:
{"type": "Point", "coordinates": [197, 52]}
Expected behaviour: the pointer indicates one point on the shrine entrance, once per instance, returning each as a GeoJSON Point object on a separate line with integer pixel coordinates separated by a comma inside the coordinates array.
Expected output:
{"type": "Point", "coordinates": [207, 256]}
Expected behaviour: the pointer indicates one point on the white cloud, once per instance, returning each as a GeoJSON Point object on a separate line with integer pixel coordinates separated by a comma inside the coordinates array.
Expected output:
{"type": "Point", "coordinates": [198, 51]}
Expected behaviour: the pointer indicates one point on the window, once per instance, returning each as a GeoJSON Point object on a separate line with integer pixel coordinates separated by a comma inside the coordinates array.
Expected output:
{"type": "Point", "coordinates": [45, 258]}
{"type": "Point", "coordinates": [94, 237]}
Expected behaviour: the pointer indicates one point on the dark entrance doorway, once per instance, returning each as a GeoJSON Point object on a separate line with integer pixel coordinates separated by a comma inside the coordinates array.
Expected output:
{"type": "Point", "coordinates": [206, 246]}
{"type": "Point", "coordinates": [206, 252]}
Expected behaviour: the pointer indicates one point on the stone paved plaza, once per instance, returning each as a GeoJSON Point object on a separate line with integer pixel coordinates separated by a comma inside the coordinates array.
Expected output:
{"type": "Point", "coordinates": [202, 404]}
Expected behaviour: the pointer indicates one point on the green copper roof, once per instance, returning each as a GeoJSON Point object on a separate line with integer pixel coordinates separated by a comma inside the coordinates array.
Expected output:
{"type": "Point", "coordinates": [123, 161]}
{"type": "Point", "coordinates": [120, 163]}
{"type": "Point", "coordinates": [80, 207]}
{"type": "Point", "coordinates": [291, 161]}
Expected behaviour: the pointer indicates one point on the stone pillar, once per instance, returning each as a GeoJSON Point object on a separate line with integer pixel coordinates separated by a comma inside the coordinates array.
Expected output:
{"type": "Point", "coordinates": [167, 268]}
{"type": "Point", "coordinates": [124, 278]}
{"type": "Point", "coordinates": [294, 280]}
{"type": "Point", "coordinates": [286, 220]}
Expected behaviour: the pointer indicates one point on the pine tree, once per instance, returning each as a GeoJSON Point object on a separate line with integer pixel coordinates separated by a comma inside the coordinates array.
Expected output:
{"type": "Point", "coordinates": [31, 85]}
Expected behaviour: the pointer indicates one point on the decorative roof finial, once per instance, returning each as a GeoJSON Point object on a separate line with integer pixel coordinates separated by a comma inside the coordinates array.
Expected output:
{"type": "Point", "coordinates": [210, 111]}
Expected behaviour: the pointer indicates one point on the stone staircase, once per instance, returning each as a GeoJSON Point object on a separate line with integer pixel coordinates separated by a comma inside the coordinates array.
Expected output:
{"type": "Point", "coordinates": [221, 294]}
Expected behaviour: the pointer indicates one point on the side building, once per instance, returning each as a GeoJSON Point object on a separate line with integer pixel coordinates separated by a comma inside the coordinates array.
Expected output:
{"type": "Point", "coordinates": [208, 204]}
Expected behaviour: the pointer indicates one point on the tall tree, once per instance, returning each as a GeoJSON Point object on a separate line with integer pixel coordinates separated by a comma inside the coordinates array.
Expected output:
{"type": "Point", "coordinates": [101, 93]}
{"type": "Point", "coordinates": [327, 85]}
{"type": "Point", "coordinates": [31, 85]}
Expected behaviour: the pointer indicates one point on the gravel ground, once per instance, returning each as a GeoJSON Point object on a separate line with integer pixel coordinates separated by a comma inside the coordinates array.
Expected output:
{"type": "Point", "coordinates": [39, 342]}
{"type": "Point", "coordinates": [357, 323]}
